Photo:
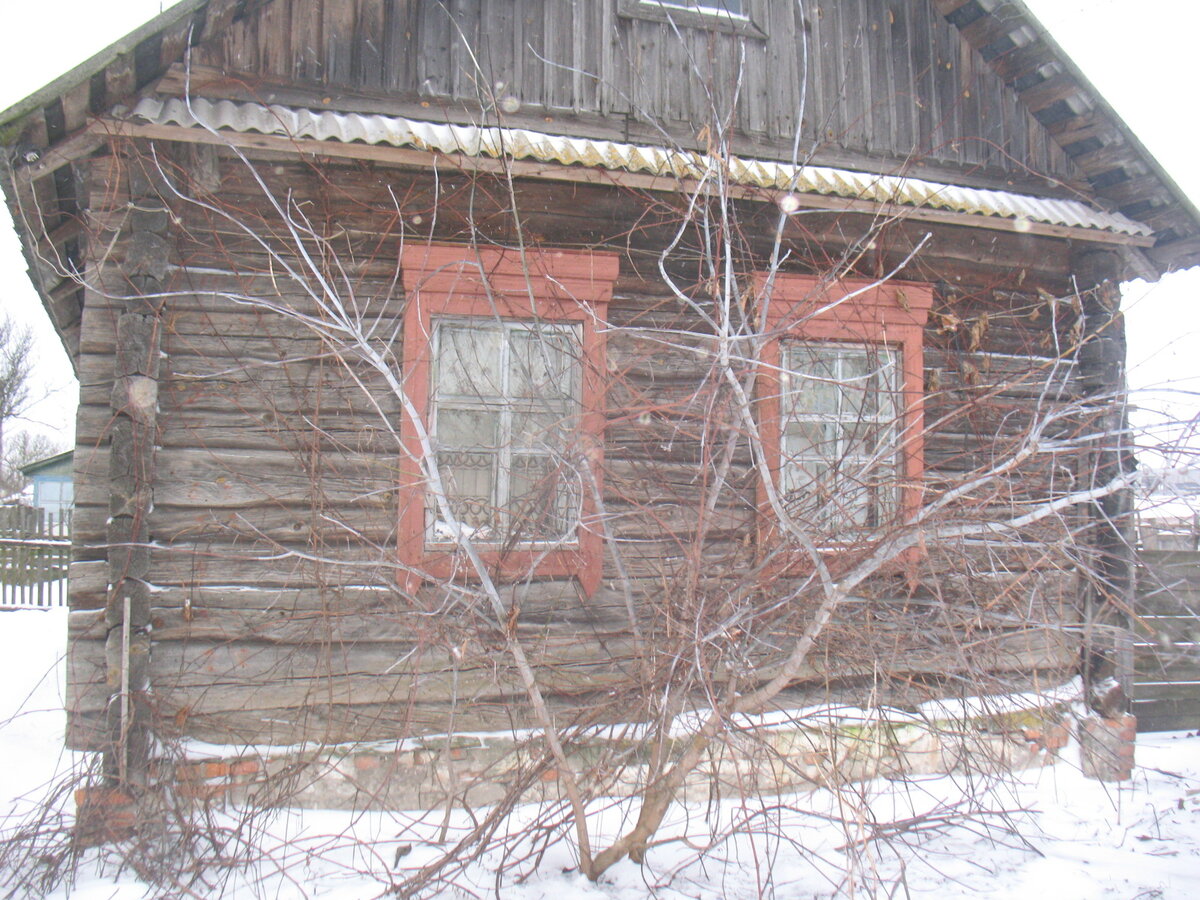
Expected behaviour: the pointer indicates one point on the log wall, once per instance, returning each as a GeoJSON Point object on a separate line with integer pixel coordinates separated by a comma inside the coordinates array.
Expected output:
{"type": "Point", "coordinates": [275, 610]}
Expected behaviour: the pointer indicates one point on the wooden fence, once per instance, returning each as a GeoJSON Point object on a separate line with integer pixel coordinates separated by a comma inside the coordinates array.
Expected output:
{"type": "Point", "coordinates": [35, 549]}
{"type": "Point", "coordinates": [1167, 655]}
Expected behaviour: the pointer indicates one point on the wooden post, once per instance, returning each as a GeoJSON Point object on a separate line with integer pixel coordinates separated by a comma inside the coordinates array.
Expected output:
{"type": "Point", "coordinates": [1107, 653]}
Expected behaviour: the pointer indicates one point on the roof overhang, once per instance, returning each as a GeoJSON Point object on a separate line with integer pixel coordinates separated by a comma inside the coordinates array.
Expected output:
{"type": "Point", "coordinates": [323, 132]}
{"type": "Point", "coordinates": [1123, 174]}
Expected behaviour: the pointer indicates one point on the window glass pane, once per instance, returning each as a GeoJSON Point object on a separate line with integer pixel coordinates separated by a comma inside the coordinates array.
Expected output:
{"type": "Point", "coordinates": [541, 363]}
{"type": "Point", "coordinates": [813, 382]}
{"type": "Point", "coordinates": [469, 479]}
{"type": "Point", "coordinates": [468, 362]}
{"type": "Point", "coordinates": [812, 437]}
{"type": "Point", "coordinates": [541, 501]}
{"type": "Point", "coordinates": [704, 6]}
{"type": "Point", "coordinates": [854, 380]}
{"type": "Point", "coordinates": [539, 430]}
{"type": "Point", "coordinates": [467, 428]}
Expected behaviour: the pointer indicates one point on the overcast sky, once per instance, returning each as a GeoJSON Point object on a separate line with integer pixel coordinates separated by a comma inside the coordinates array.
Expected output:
{"type": "Point", "coordinates": [1140, 54]}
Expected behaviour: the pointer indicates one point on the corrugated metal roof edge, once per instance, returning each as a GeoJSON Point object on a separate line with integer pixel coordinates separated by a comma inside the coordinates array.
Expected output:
{"type": "Point", "coordinates": [492, 141]}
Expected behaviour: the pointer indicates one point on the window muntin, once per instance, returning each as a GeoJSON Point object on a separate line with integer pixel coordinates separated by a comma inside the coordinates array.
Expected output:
{"type": "Point", "coordinates": [505, 406]}
{"type": "Point", "coordinates": [841, 406]}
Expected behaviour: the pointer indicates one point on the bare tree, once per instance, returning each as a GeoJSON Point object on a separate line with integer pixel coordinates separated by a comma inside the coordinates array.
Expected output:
{"type": "Point", "coordinates": [23, 448]}
{"type": "Point", "coordinates": [16, 349]}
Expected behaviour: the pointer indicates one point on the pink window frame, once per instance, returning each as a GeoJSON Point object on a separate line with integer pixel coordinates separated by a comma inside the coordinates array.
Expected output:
{"type": "Point", "coordinates": [553, 286]}
{"type": "Point", "coordinates": [806, 308]}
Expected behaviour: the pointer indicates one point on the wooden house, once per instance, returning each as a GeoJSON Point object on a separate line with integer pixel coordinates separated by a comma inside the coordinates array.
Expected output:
{"type": "Point", "coordinates": [445, 365]}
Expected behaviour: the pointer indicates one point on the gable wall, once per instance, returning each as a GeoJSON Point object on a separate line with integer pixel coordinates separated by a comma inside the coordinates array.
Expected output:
{"type": "Point", "coordinates": [889, 84]}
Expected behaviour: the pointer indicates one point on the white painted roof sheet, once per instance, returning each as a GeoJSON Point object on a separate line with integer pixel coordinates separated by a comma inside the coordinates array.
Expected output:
{"type": "Point", "coordinates": [516, 143]}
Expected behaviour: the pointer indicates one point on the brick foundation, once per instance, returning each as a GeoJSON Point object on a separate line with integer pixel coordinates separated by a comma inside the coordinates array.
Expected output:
{"type": "Point", "coordinates": [1106, 747]}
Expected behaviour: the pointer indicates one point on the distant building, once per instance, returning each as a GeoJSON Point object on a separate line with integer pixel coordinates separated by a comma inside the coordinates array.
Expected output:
{"type": "Point", "coordinates": [52, 481]}
{"type": "Point", "coordinates": [1168, 507]}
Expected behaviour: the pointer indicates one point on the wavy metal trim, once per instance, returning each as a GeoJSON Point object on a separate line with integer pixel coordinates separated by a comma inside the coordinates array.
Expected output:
{"type": "Point", "coordinates": [518, 143]}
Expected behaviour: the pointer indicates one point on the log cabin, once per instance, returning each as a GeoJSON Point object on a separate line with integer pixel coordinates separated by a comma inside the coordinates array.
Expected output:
{"type": "Point", "coordinates": [468, 365]}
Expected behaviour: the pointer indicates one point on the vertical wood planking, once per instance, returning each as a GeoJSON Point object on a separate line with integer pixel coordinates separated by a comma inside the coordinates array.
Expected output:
{"type": "Point", "coordinates": [556, 47]}
{"type": "Point", "coordinates": [308, 40]}
{"type": "Point", "coordinates": [432, 50]}
{"type": "Point", "coordinates": [587, 33]}
{"type": "Point", "coordinates": [399, 60]}
{"type": "Point", "coordinates": [338, 33]}
{"type": "Point", "coordinates": [861, 94]}
{"type": "Point", "coordinates": [946, 139]}
{"type": "Point", "coordinates": [997, 117]}
{"type": "Point", "coordinates": [466, 55]}
{"type": "Point", "coordinates": [615, 61]}
{"type": "Point", "coordinates": [882, 81]}
{"type": "Point", "coordinates": [642, 61]}
{"type": "Point", "coordinates": [764, 70]}
{"type": "Point", "coordinates": [837, 81]}
{"type": "Point", "coordinates": [903, 87]}
{"type": "Point", "coordinates": [555, 39]}
{"type": "Point", "coordinates": [496, 54]}
{"type": "Point", "coordinates": [275, 38]}
{"type": "Point", "coordinates": [233, 42]}
{"type": "Point", "coordinates": [818, 70]}
{"type": "Point", "coordinates": [889, 79]}
{"type": "Point", "coordinates": [924, 65]}
{"type": "Point", "coordinates": [690, 91]}
{"type": "Point", "coordinates": [532, 47]}
{"type": "Point", "coordinates": [774, 66]}
{"type": "Point", "coordinates": [370, 45]}
{"type": "Point", "coordinates": [969, 87]}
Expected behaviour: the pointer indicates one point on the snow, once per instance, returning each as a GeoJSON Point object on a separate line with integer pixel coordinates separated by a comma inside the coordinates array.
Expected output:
{"type": "Point", "coordinates": [1044, 832]}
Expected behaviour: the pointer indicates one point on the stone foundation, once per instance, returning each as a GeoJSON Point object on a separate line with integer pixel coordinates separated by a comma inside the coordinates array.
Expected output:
{"type": "Point", "coordinates": [479, 770]}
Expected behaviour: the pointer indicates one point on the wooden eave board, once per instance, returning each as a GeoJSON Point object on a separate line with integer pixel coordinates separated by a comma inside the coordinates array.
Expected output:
{"type": "Point", "coordinates": [1078, 117]}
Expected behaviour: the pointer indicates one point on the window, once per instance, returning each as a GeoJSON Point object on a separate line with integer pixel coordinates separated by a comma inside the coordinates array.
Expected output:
{"type": "Point", "coordinates": [744, 17]}
{"type": "Point", "coordinates": [840, 409]}
{"type": "Point", "coordinates": [503, 355]}
{"type": "Point", "coordinates": [840, 403]}
{"type": "Point", "coordinates": [53, 493]}
{"type": "Point", "coordinates": [505, 411]}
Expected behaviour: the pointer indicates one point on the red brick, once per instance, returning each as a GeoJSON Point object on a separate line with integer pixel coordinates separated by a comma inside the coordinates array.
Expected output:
{"type": "Point", "coordinates": [103, 815]}
{"type": "Point", "coordinates": [202, 792]}
{"type": "Point", "coordinates": [244, 767]}
{"type": "Point", "coordinates": [189, 772]}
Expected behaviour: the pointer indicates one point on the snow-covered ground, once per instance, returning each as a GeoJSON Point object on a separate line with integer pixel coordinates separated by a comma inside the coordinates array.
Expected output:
{"type": "Point", "coordinates": [1044, 833]}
